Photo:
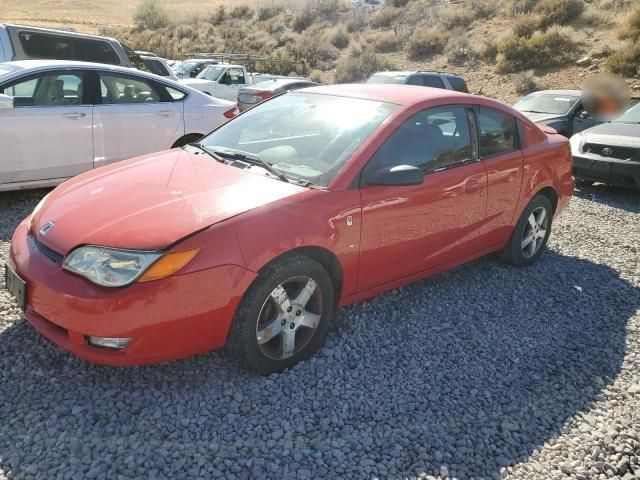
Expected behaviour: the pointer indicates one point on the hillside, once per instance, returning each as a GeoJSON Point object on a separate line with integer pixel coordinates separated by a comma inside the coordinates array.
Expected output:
{"type": "Point", "coordinates": [502, 47]}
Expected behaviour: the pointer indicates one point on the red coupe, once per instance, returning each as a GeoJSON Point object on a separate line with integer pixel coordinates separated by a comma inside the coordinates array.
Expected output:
{"type": "Point", "coordinates": [251, 238]}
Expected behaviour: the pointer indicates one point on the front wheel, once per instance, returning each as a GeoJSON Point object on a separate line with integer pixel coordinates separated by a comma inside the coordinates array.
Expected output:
{"type": "Point", "coordinates": [283, 317]}
{"type": "Point", "coordinates": [529, 238]}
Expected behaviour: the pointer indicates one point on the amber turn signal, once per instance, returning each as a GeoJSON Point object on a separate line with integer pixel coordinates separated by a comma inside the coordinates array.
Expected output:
{"type": "Point", "coordinates": [168, 265]}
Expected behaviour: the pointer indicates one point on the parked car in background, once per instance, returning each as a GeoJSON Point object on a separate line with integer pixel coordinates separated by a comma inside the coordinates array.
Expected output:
{"type": "Point", "coordinates": [254, 94]}
{"type": "Point", "coordinates": [159, 66]}
{"type": "Point", "coordinates": [60, 118]}
{"type": "Point", "coordinates": [191, 68]}
{"type": "Point", "coordinates": [221, 80]}
{"type": "Point", "coordinates": [250, 239]}
{"type": "Point", "coordinates": [561, 110]}
{"type": "Point", "coordinates": [610, 152]}
{"type": "Point", "coordinates": [448, 81]}
{"type": "Point", "coordinates": [21, 42]}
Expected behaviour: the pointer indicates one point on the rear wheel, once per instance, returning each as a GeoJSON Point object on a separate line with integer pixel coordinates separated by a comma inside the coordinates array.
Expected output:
{"type": "Point", "coordinates": [283, 317]}
{"type": "Point", "coordinates": [529, 238]}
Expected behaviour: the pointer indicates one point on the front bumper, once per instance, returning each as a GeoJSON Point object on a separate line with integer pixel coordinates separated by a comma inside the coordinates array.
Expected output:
{"type": "Point", "coordinates": [607, 170]}
{"type": "Point", "coordinates": [175, 317]}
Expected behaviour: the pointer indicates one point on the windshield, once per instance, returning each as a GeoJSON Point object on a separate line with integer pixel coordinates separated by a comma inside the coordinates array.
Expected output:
{"type": "Point", "coordinates": [379, 78]}
{"type": "Point", "coordinates": [5, 68]}
{"type": "Point", "coordinates": [184, 67]}
{"type": "Point", "coordinates": [211, 73]}
{"type": "Point", "coordinates": [632, 115]}
{"type": "Point", "coordinates": [305, 136]}
{"type": "Point", "coordinates": [547, 103]}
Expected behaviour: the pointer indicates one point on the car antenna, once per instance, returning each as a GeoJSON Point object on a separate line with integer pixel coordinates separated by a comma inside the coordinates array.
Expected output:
{"type": "Point", "coordinates": [480, 91]}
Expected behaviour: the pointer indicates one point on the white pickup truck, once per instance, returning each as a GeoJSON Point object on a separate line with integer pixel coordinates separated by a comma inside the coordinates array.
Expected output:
{"type": "Point", "coordinates": [224, 80]}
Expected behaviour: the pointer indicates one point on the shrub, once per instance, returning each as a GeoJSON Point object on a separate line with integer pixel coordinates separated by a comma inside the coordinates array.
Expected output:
{"type": "Point", "coordinates": [356, 23]}
{"type": "Point", "coordinates": [339, 38]}
{"type": "Point", "coordinates": [359, 66]}
{"type": "Point", "coordinates": [458, 49]}
{"type": "Point", "coordinates": [454, 17]}
{"type": "Point", "coordinates": [220, 16]}
{"type": "Point", "coordinates": [526, 25]}
{"type": "Point", "coordinates": [302, 20]}
{"type": "Point", "coordinates": [385, 42]}
{"type": "Point", "coordinates": [151, 15]}
{"type": "Point", "coordinates": [525, 82]}
{"type": "Point", "coordinates": [630, 29]}
{"type": "Point", "coordinates": [241, 12]}
{"type": "Point", "coordinates": [625, 61]}
{"type": "Point", "coordinates": [313, 52]}
{"type": "Point", "coordinates": [384, 17]}
{"type": "Point", "coordinates": [558, 12]}
{"type": "Point", "coordinates": [426, 42]}
{"type": "Point", "coordinates": [542, 50]}
{"type": "Point", "coordinates": [265, 13]}
{"type": "Point", "coordinates": [316, 76]}
{"type": "Point", "coordinates": [488, 49]}
{"type": "Point", "coordinates": [518, 7]}
{"type": "Point", "coordinates": [482, 9]}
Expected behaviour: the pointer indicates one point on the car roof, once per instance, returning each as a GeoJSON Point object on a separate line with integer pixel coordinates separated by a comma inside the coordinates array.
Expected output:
{"type": "Point", "coordinates": [405, 95]}
{"type": "Point", "coordinates": [395, 73]}
{"type": "Point", "coordinates": [558, 92]}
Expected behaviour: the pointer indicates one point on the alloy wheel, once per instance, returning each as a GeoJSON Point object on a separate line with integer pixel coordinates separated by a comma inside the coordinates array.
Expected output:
{"type": "Point", "coordinates": [534, 232]}
{"type": "Point", "coordinates": [289, 317]}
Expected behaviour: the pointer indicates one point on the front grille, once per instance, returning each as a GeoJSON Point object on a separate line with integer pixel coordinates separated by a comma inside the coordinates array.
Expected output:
{"type": "Point", "coordinates": [47, 252]}
{"type": "Point", "coordinates": [612, 151]}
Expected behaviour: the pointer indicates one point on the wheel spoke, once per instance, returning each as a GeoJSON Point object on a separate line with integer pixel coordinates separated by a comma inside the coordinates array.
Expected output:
{"type": "Point", "coordinates": [542, 233]}
{"type": "Point", "coordinates": [288, 342]}
{"type": "Point", "coordinates": [527, 240]}
{"type": "Point", "coordinates": [532, 220]}
{"type": "Point", "coordinates": [308, 319]}
{"type": "Point", "coordinates": [534, 246]}
{"type": "Point", "coordinates": [307, 291]}
{"type": "Point", "coordinates": [273, 329]}
{"type": "Point", "coordinates": [281, 298]}
{"type": "Point", "coordinates": [541, 217]}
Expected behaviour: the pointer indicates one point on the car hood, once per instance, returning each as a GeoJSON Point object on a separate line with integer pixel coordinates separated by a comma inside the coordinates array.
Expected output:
{"type": "Point", "coordinates": [151, 202]}
{"type": "Point", "coordinates": [614, 133]}
{"type": "Point", "coordinates": [543, 117]}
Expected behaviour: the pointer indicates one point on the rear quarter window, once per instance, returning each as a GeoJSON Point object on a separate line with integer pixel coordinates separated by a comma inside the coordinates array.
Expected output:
{"type": "Point", "coordinates": [59, 47]}
{"type": "Point", "coordinates": [458, 84]}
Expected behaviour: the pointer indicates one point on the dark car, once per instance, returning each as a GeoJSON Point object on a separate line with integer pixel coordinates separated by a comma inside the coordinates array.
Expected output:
{"type": "Point", "coordinates": [610, 152]}
{"type": "Point", "coordinates": [561, 110]}
{"type": "Point", "coordinates": [255, 94]}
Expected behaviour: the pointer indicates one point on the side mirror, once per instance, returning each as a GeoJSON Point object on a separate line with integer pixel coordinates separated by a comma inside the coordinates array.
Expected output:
{"type": "Point", "coordinates": [6, 102]}
{"type": "Point", "coordinates": [584, 115]}
{"type": "Point", "coordinates": [399, 175]}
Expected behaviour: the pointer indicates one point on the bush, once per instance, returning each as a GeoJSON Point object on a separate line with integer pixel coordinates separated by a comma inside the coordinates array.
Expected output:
{"type": "Point", "coordinates": [360, 65]}
{"type": "Point", "coordinates": [150, 15]}
{"type": "Point", "coordinates": [220, 16]}
{"type": "Point", "coordinates": [241, 12]}
{"type": "Point", "coordinates": [458, 49]}
{"type": "Point", "coordinates": [542, 50]}
{"type": "Point", "coordinates": [426, 42]}
{"type": "Point", "coordinates": [302, 20]}
{"type": "Point", "coordinates": [526, 25]}
{"type": "Point", "coordinates": [384, 17]}
{"type": "Point", "coordinates": [454, 17]}
{"type": "Point", "coordinates": [385, 42]}
{"type": "Point", "coordinates": [316, 76]}
{"type": "Point", "coordinates": [313, 52]}
{"type": "Point", "coordinates": [339, 38]}
{"type": "Point", "coordinates": [488, 49]}
{"type": "Point", "coordinates": [265, 13]}
{"type": "Point", "coordinates": [626, 61]}
{"type": "Point", "coordinates": [630, 29]}
{"type": "Point", "coordinates": [518, 7]}
{"type": "Point", "coordinates": [356, 23]}
{"type": "Point", "coordinates": [525, 82]}
{"type": "Point", "coordinates": [558, 12]}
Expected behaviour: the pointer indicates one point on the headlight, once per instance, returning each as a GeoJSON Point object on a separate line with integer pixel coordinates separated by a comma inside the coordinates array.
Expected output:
{"type": "Point", "coordinates": [109, 267]}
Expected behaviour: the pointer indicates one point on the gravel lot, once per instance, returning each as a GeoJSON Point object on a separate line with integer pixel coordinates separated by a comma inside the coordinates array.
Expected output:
{"type": "Point", "coordinates": [487, 371]}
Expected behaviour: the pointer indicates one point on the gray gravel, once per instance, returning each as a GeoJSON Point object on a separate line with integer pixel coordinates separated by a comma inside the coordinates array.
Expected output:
{"type": "Point", "coordinates": [487, 371]}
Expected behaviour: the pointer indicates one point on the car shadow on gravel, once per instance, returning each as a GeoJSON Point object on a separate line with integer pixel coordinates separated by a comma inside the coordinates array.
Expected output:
{"type": "Point", "coordinates": [626, 199]}
{"type": "Point", "coordinates": [459, 374]}
{"type": "Point", "coordinates": [20, 204]}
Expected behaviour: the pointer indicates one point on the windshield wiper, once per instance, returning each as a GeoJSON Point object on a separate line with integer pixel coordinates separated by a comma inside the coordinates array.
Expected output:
{"type": "Point", "coordinates": [253, 159]}
{"type": "Point", "coordinates": [202, 148]}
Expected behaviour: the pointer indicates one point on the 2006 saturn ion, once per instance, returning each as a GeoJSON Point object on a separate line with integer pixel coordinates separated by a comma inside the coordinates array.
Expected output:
{"type": "Point", "coordinates": [251, 238]}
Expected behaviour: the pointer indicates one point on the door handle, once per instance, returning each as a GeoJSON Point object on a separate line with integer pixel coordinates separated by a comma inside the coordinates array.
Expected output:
{"type": "Point", "coordinates": [165, 113]}
{"type": "Point", "coordinates": [472, 186]}
{"type": "Point", "coordinates": [74, 115]}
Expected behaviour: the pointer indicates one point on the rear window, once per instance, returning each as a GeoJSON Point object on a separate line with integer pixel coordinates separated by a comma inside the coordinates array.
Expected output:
{"type": "Point", "coordinates": [156, 66]}
{"type": "Point", "coordinates": [458, 84]}
{"type": "Point", "coordinates": [432, 81]}
{"type": "Point", "coordinates": [58, 47]}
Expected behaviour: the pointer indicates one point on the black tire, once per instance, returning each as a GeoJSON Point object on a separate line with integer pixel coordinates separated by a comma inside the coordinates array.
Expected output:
{"type": "Point", "coordinates": [513, 252]}
{"type": "Point", "coordinates": [242, 343]}
{"type": "Point", "coordinates": [187, 139]}
{"type": "Point", "coordinates": [584, 183]}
